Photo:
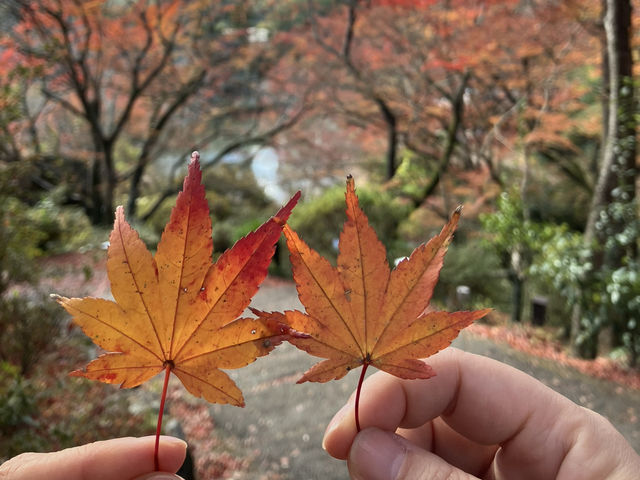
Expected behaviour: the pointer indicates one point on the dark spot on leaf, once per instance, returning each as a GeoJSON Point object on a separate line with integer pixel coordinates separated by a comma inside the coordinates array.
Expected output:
{"type": "Point", "coordinates": [169, 363]}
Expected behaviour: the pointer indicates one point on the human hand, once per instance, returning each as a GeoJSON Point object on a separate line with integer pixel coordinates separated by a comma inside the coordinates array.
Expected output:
{"type": "Point", "coordinates": [116, 459]}
{"type": "Point", "coordinates": [477, 418]}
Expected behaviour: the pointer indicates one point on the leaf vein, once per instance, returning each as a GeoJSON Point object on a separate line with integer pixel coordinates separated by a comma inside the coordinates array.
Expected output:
{"type": "Point", "coordinates": [137, 286]}
{"type": "Point", "coordinates": [227, 286]}
{"type": "Point", "coordinates": [344, 321]}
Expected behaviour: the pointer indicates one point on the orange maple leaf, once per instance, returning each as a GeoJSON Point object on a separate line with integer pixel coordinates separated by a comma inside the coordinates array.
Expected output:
{"type": "Point", "coordinates": [177, 311]}
{"type": "Point", "coordinates": [361, 313]}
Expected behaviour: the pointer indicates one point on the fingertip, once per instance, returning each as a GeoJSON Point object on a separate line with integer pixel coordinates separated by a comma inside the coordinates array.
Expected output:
{"type": "Point", "coordinates": [171, 453]}
{"type": "Point", "coordinates": [340, 432]}
{"type": "Point", "coordinates": [159, 476]}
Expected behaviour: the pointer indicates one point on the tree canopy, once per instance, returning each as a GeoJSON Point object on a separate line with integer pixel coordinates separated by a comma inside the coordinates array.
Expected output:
{"type": "Point", "coordinates": [434, 103]}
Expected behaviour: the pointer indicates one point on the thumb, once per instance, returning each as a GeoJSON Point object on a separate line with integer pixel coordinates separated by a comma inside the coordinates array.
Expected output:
{"type": "Point", "coordinates": [379, 455]}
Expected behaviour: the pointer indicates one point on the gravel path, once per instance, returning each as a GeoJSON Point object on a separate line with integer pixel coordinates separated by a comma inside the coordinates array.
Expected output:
{"type": "Point", "coordinates": [282, 425]}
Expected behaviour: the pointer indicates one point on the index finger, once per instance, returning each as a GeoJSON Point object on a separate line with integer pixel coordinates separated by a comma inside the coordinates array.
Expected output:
{"type": "Point", "coordinates": [114, 459]}
{"type": "Point", "coordinates": [484, 400]}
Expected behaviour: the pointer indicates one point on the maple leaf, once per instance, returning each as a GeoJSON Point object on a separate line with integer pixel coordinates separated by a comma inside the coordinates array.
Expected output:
{"type": "Point", "coordinates": [177, 311]}
{"type": "Point", "coordinates": [360, 313]}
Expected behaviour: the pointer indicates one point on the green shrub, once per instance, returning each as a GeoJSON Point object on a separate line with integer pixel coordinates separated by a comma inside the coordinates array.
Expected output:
{"type": "Point", "coordinates": [318, 221]}
{"type": "Point", "coordinates": [28, 327]}
{"type": "Point", "coordinates": [623, 288]}
{"type": "Point", "coordinates": [41, 408]}
{"type": "Point", "coordinates": [19, 240]}
{"type": "Point", "coordinates": [478, 267]}
{"type": "Point", "coordinates": [562, 264]}
{"type": "Point", "coordinates": [18, 409]}
{"type": "Point", "coordinates": [60, 229]}
{"type": "Point", "coordinates": [17, 400]}
{"type": "Point", "coordinates": [516, 240]}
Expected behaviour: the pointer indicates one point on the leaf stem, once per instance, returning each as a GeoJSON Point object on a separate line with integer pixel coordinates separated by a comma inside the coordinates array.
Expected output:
{"type": "Point", "coordinates": [358, 390]}
{"type": "Point", "coordinates": [167, 373]}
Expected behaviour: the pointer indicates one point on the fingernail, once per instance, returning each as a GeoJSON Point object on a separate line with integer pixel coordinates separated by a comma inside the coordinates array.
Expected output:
{"type": "Point", "coordinates": [336, 421]}
{"type": "Point", "coordinates": [376, 455]}
{"type": "Point", "coordinates": [159, 476]}
{"type": "Point", "coordinates": [173, 441]}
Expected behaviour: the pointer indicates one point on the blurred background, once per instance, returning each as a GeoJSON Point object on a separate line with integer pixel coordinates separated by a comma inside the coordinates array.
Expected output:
{"type": "Point", "coordinates": [523, 111]}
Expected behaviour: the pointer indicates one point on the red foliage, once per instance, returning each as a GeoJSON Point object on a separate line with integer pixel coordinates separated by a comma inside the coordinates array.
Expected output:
{"type": "Point", "coordinates": [523, 339]}
{"type": "Point", "coordinates": [404, 3]}
{"type": "Point", "coordinates": [412, 57]}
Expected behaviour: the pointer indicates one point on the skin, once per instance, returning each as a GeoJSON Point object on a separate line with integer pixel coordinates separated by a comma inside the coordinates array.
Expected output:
{"type": "Point", "coordinates": [477, 418]}
{"type": "Point", "coordinates": [116, 459]}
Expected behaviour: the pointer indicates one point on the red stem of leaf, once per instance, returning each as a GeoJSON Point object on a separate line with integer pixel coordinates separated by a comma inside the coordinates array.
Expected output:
{"type": "Point", "coordinates": [358, 390]}
{"type": "Point", "coordinates": [167, 373]}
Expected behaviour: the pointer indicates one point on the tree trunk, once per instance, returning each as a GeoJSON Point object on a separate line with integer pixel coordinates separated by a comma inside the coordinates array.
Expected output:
{"type": "Point", "coordinates": [157, 125]}
{"type": "Point", "coordinates": [517, 296]}
{"type": "Point", "coordinates": [457, 112]}
{"type": "Point", "coordinates": [109, 187]}
{"type": "Point", "coordinates": [617, 22]}
{"type": "Point", "coordinates": [617, 171]}
{"type": "Point", "coordinates": [102, 183]}
{"type": "Point", "coordinates": [93, 191]}
{"type": "Point", "coordinates": [392, 138]}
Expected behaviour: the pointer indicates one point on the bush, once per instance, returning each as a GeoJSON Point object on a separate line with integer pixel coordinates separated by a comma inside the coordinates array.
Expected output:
{"type": "Point", "coordinates": [17, 399]}
{"type": "Point", "coordinates": [38, 409]}
{"type": "Point", "coordinates": [623, 287]}
{"type": "Point", "coordinates": [559, 271]}
{"type": "Point", "coordinates": [477, 266]}
{"type": "Point", "coordinates": [51, 411]}
{"type": "Point", "coordinates": [317, 221]}
{"type": "Point", "coordinates": [60, 229]}
{"type": "Point", "coordinates": [41, 407]}
{"type": "Point", "coordinates": [516, 241]}
{"type": "Point", "coordinates": [18, 409]}
{"type": "Point", "coordinates": [28, 328]}
{"type": "Point", "coordinates": [607, 295]}
{"type": "Point", "coordinates": [19, 240]}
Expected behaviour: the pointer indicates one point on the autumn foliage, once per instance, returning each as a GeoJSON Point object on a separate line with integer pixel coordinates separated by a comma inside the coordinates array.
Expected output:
{"type": "Point", "coordinates": [439, 102]}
